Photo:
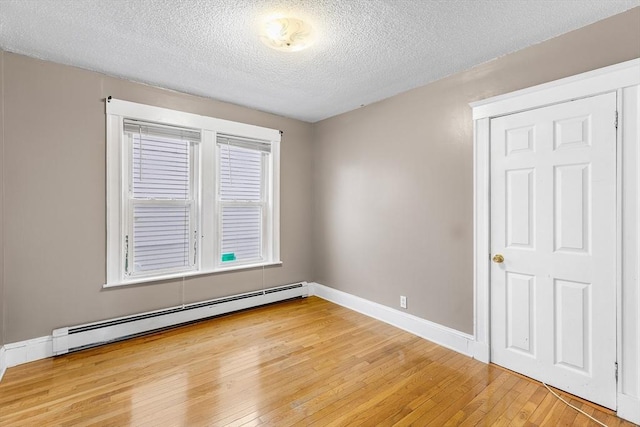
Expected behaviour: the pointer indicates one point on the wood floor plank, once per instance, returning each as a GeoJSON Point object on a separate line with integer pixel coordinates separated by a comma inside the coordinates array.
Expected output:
{"type": "Point", "coordinates": [301, 362]}
{"type": "Point", "coordinates": [521, 418]}
{"type": "Point", "coordinates": [445, 394]}
{"type": "Point", "coordinates": [525, 392]}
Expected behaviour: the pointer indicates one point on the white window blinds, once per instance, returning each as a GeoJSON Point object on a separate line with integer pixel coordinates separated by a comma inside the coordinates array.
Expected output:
{"type": "Point", "coordinates": [160, 237]}
{"type": "Point", "coordinates": [242, 198]}
{"type": "Point", "coordinates": [162, 232]}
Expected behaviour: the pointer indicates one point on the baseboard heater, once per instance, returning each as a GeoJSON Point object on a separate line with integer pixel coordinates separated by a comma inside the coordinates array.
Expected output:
{"type": "Point", "coordinates": [80, 337]}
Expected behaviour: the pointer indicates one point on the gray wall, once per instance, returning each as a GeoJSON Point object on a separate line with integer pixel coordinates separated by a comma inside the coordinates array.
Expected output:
{"type": "Point", "coordinates": [393, 195]}
{"type": "Point", "coordinates": [388, 187]}
{"type": "Point", "coordinates": [54, 129]}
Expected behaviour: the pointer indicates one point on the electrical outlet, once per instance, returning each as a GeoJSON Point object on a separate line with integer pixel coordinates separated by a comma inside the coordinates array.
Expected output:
{"type": "Point", "coordinates": [403, 301]}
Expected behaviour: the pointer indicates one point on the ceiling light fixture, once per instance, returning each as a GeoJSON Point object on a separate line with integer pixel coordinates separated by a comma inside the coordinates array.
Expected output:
{"type": "Point", "coordinates": [287, 34]}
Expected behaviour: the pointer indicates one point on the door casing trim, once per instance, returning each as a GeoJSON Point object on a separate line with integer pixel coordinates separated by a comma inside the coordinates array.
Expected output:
{"type": "Point", "coordinates": [623, 78]}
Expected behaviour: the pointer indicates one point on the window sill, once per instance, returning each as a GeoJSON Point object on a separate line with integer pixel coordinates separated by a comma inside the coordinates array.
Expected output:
{"type": "Point", "coordinates": [143, 280]}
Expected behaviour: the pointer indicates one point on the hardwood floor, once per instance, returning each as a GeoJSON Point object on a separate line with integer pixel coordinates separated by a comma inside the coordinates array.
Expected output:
{"type": "Point", "coordinates": [302, 362]}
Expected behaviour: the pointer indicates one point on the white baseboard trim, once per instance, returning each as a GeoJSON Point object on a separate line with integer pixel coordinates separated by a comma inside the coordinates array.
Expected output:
{"type": "Point", "coordinates": [481, 351]}
{"type": "Point", "coordinates": [18, 353]}
{"type": "Point", "coordinates": [442, 335]}
{"type": "Point", "coordinates": [629, 408]}
{"type": "Point", "coordinates": [3, 361]}
{"type": "Point", "coordinates": [27, 351]}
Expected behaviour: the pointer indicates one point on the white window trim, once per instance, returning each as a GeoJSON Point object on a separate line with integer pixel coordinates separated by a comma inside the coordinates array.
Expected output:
{"type": "Point", "coordinates": [206, 156]}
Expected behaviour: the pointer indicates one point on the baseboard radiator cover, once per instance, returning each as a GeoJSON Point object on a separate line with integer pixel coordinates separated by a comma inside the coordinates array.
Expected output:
{"type": "Point", "coordinates": [80, 337]}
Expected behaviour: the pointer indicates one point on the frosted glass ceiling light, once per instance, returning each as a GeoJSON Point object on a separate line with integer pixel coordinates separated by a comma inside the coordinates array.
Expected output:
{"type": "Point", "coordinates": [287, 34]}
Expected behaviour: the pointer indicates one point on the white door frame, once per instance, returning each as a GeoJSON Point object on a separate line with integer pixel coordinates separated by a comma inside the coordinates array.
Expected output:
{"type": "Point", "coordinates": [623, 78]}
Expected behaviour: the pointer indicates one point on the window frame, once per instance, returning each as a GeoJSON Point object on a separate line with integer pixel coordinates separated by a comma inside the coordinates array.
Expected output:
{"type": "Point", "coordinates": [205, 157]}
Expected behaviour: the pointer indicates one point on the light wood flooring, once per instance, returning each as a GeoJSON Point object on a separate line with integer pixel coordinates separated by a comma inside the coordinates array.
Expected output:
{"type": "Point", "coordinates": [302, 362]}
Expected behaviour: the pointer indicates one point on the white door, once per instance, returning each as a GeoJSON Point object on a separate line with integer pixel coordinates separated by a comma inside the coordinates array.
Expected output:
{"type": "Point", "coordinates": [553, 220]}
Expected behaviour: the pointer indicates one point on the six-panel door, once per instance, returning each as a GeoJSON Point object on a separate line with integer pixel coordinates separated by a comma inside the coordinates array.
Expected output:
{"type": "Point", "coordinates": [553, 218]}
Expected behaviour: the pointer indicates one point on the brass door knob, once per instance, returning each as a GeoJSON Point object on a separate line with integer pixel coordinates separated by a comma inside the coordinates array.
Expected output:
{"type": "Point", "coordinates": [498, 258]}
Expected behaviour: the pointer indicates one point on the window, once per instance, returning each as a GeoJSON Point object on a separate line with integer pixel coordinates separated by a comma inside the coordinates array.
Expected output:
{"type": "Point", "coordinates": [161, 216]}
{"type": "Point", "coordinates": [187, 194]}
{"type": "Point", "coordinates": [243, 202]}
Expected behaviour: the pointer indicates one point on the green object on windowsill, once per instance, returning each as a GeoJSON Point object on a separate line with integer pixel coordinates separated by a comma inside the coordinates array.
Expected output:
{"type": "Point", "coordinates": [228, 257]}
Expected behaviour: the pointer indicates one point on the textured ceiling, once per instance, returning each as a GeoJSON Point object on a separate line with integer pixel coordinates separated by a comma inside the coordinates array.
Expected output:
{"type": "Point", "coordinates": [366, 50]}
